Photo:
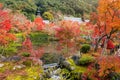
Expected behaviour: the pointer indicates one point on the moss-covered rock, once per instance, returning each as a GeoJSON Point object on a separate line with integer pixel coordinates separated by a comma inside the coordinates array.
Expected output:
{"type": "Point", "coordinates": [86, 59]}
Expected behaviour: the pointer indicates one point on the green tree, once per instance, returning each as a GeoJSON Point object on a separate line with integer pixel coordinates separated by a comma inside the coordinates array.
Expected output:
{"type": "Point", "coordinates": [27, 7]}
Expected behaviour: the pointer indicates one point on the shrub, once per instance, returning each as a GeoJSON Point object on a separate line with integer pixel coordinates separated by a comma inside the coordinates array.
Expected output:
{"type": "Point", "coordinates": [86, 59]}
{"type": "Point", "coordinates": [27, 62]}
{"type": "Point", "coordinates": [38, 38]}
{"type": "Point", "coordinates": [48, 16]}
{"type": "Point", "coordinates": [85, 48]}
{"type": "Point", "coordinates": [25, 54]}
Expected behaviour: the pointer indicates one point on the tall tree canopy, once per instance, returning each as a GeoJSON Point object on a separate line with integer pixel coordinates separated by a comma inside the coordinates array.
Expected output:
{"type": "Point", "coordinates": [72, 7]}
{"type": "Point", "coordinates": [27, 7]}
{"type": "Point", "coordinates": [107, 19]}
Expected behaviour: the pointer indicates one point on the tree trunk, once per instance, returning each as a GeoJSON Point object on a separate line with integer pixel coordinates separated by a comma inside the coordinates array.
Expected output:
{"type": "Point", "coordinates": [96, 46]}
{"type": "Point", "coordinates": [104, 51]}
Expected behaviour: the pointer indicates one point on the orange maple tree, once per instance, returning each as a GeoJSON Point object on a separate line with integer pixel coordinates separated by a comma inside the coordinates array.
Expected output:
{"type": "Point", "coordinates": [106, 21]}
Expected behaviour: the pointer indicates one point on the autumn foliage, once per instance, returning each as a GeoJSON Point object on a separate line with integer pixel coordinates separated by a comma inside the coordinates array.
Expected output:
{"type": "Point", "coordinates": [106, 21]}
{"type": "Point", "coordinates": [109, 64]}
{"type": "Point", "coordinates": [35, 54]}
{"type": "Point", "coordinates": [39, 23]}
{"type": "Point", "coordinates": [67, 32]}
{"type": "Point", "coordinates": [20, 23]}
{"type": "Point", "coordinates": [5, 27]}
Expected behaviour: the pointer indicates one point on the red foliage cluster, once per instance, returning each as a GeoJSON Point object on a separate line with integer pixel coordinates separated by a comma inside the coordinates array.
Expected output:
{"type": "Point", "coordinates": [110, 44]}
{"type": "Point", "coordinates": [5, 26]}
{"type": "Point", "coordinates": [5, 22]}
{"type": "Point", "coordinates": [39, 23]}
{"type": "Point", "coordinates": [20, 23]}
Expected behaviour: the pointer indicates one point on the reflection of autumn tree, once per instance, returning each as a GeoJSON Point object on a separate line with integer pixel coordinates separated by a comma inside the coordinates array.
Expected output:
{"type": "Point", "coordinates": [35, 54]}
{"type": "Point", "coordinates": [67, 32]}
{"type": "Point", "coordinates": [106, 20]}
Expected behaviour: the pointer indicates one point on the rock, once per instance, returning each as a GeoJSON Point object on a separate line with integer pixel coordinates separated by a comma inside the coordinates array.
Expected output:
{"type": "Point", "coordinates": [1, 65]}
{"type": "Point", "coordinates": [53, 65]}
{"type": "Point", "coordinates": [57, 72]}
{"type": "Point", "coordinates": [63, 63]}
{"type": "Point", "coordinates": [3, 58]}
{"type": "Point", "coordinates": [76, 59]}
{"type": "Point", "coordinates": [14, 58]}
{"type": "Point", "coordinates": [18, 67]}
{"type": "Point", "coordinates": [47, 74]}
{"type": "Point", "coordinates": [54, 77]}
{"type": "Point", "coordinates": [60, 61]}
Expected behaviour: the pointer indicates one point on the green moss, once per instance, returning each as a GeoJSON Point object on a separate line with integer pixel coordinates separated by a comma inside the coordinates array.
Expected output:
{"type": "Point", "coordinates": [26, 73]}
{"type": "Point", "coordinates": [86, 59]}
{"type": "Point", "coordinates": [79, 69]}
{"type": "Point", "coordinates": [74, 74]}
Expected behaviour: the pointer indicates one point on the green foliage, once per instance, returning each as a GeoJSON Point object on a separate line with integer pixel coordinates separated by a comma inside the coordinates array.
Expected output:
{"type": "Point", "coordinates": [85, 48]}
{"type": "Point", "coordinates": [48, 16]}
{"type": "Point", "coordinates": [31, 17]}
{"type": "Point", "coordinates": [10, 49]}
{"type": "Point", "coordinates": [39, 38]}
{"type": "Point", "coordinates": [27, 7]}
{"type": "Point", "coordinates": [86, 59]}
{"type": "Point", "coordinates": [27, 63]}
{"type": "Point", "coordinates": [69, 7]}
{"type": "Point", "coordinates": [25, 54]}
